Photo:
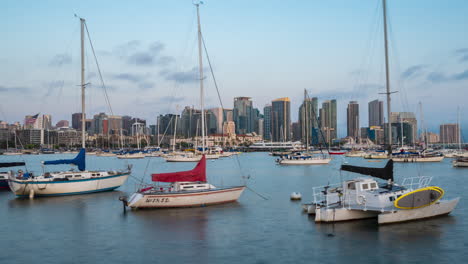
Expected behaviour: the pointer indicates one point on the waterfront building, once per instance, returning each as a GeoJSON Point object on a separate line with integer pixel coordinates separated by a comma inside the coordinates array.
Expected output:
{"type": "Point", "coordinates": [126, 125]}
{"type": "Point", "coordinates": [190, 122]}
{"type": "Point", "coordinates": [281, 119]}
{"type": "Point", "coordinates": [260, 127]}
{"type": "Point", "coordinates": [218, 115]}
{"type": "Point", "coordinates": [405, 117]}
{"type": "Point", "coordinates": [243, 115]}
{"type": "Point", "coordinates": [228, 115]}
{"type": "Point", "coordinates": [99, 124]}
{"type": "Point", "coordinates": [296, 131]}
{"type": "Point", "coordinates": [376, 113]}
{"type": "Point", "coordinates": [115, 124]}
{"type": "Point", "coordinates": [308, 120]}
{"type": "Point", "coordinates": [353, 119]}
{"type": "Point", "coordinates": [166, 125]}
{"type": "Point", "coordinates": [76, 121]}
{"type": "Point", "coordinates": [62, 123]}
{"type": "Point", "coordinates": [267, 122]}
{"type": "Point", "coordinates": [449, 133]}
{"type": "Point", "coordinates": [328, 121]}
{"type": "Point", "coordinates": [229, 128]}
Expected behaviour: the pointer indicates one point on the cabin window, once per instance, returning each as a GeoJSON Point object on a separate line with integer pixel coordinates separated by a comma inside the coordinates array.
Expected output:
{"type": "Point", "coordinates": [373, 185]}
{"type": "Point", "coordinates": [352, 186]}
{"type": "Point", "coordinates": [200, 186]}
{"type": "Point", "coordinates": [187, 187]}
{"type": "Point", "coordinates": [98, 174]}
{"type": "Point", "coordinates": [93, 174]}
{"type": "Point", "coordinates": [391, 198]}
{"type": "Point", "coordinates": [365, 186]}
{"type": "Point", "coordinates": [76, 176]}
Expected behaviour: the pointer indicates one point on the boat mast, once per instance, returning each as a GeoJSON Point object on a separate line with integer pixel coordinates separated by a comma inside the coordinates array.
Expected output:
{"type": "Point", "coordinates": [387, 78]}
{"type": "Point", "coordinates": [83, 121]}
{"type": "Point", "coordinates": [459, 129]}
{"type": "Point", "coordinates": [306, 107]}
{"type": "Point", "coordinates": [202, 102]}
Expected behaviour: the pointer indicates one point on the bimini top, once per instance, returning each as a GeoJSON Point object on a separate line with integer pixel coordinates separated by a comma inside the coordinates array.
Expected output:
{"type": "Point", "coordinates": [385, 173]}
{"type": "Point", "coordinates": [79, 161]}
{"type": "Point", "coordinates": [11, 164]}
{"type": "Point", "coordinates": [197, 174]}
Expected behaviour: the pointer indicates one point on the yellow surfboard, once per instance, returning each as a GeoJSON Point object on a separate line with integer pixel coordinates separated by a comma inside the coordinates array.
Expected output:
{"type": "Point", "coordinates": [419, 198]}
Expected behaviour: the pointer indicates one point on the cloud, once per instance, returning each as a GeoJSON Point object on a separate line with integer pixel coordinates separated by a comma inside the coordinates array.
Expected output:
{"type": "Point", "coordinates": [462, 53]}
{"type": "Point", "coordinates": [460, 76]}
{"type": "Point", "coordinates": [133, 53]}
{"type": "Point", "coordinates": [60, 59]}
{"type": "Point", "coordinates": [14, 89]}
{"type": "Point", "coordinates": [146, 85]}
{"type": "Point", "coordinates": [413, 71]}
{"type": "Point", "coordinates": [436, 77]}
{"type": "Point", "coordinates": [171, 99]}
{"type": "Point", "coordinates": [182, 76]}
{"type": "Point", "coordinates": [134, 78]}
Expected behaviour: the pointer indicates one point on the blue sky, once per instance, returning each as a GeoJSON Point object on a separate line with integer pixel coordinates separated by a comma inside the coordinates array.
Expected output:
{"type": "Point", "coordinates": [264, 49]}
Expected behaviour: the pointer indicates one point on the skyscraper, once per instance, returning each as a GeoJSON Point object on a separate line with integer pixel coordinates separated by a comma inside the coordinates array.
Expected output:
{"type": "Point", "coordinates": [76, 121]}
{"type": "Point", "coordinates": [353, 119]}
{"type": "Point", "coordinates": [218, 114]}
{"type": "Point", "coordinates": [281, 119]}
{"type": "Point", "coordinates": [376, 113]}
{"type": "Point", "coordinates": [405, 117]}
{"type": "Point", "coordinates": [243, 115]}
{"type": "Point", "coordinates": [328, 122]}
{"type": "Point", "coordinates": [449, 133]}
{"type": "Point", "coordinates": [267, 122]}
{"type": "Point", "coordinates": [308, 125]}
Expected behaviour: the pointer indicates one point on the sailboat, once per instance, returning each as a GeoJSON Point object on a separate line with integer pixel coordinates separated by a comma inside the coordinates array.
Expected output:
{"type": "Point", "coordinates": [187, 188]}
{"type": "Point", "coordinates": [306, 158]}
{"type": "Point", "coordinates": [69, 182]}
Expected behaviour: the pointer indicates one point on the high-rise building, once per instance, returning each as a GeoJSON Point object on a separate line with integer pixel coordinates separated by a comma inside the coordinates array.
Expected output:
{"type": "Point", "coordinates": [243, 115]}
{"type": "Point", "coordinates": [260, 127]}
{"type": "Point", "coordinates": [405, 117]}
{"type": "Point", "coordinates": [308, 125]}
{"type": "Point", "coordinates": [167, 124]}
{"type": "Point", "coordinates": [296, 131]}
{"type": "Point", "coordinates": [281, 119]}
{"type": "Point", "coordinates": [46, 122]}
{"type": "Point", "coordinates": [76, 121]}
{"type": "Point", "coordinates": [449, 133]}
{"type": "Point", "coordinates": [219, 117]}
{"type": "Point", "coordinates": [267, 122]}
{"type": "Point", "coordinates": [376, 113]}
{"type": "Point", "coordinates": [190, 122]}
{"type": "Point", "coordinates": [115, 124]}
{"type": "Point", "coordinates": [126, 125]}
{"type": "Point", "coordinates": [353, 119]}
{"type": "Point", "coordinates": [328, 121]}
{"type": "Point", "coordinates": [228, 115]}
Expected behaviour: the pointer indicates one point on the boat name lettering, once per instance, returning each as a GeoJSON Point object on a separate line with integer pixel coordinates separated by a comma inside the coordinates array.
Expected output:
{"type": "Point", "coordinates": [157, 200]}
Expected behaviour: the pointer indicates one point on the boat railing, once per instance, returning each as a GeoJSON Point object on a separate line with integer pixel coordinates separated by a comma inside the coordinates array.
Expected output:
{"type": "Point", "coordinates": [320, 192]}
{"type": "Point", "coordinates": [416, 182]}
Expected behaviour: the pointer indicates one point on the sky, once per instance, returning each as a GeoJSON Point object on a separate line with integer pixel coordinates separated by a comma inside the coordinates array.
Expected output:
{"type": "Point", "coordinates": [148, 55]}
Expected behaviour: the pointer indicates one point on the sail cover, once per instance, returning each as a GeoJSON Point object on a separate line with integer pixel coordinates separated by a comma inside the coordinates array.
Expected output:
{"type": "Point", "coordinates": [11, 164]}
{"type": "Point", "coordinates": [385, 173]}
{"type": "Point", "coordinates": [79, 161]}
{"type": "Point", "coordinates": [197, 174]}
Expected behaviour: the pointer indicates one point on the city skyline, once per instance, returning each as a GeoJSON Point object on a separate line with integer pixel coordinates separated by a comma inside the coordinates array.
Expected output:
{"type": "Point", "coordinates": [150, 67]}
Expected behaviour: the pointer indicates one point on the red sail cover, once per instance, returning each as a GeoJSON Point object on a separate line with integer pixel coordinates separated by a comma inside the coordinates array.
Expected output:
{"type": "Point", "coordinates": [197, 174]}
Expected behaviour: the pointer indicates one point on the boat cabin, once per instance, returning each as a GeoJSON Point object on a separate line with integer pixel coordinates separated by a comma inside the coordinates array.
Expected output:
{"type": "Point", "coordinates": [191, 186]}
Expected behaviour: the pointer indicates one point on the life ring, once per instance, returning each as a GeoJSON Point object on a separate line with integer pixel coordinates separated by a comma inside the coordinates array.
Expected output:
{"type": "Point", "coordinates": [361, 199]}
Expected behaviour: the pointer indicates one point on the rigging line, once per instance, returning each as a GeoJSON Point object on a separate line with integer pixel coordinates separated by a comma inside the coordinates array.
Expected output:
{"type": "Point", "coordinates": [250, 189]}
{"type": "Point", "coordinates": [99, 71]}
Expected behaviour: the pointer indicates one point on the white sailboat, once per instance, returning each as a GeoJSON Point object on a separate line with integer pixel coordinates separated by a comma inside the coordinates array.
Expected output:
{"type": "Point", "coordinates": [305, 158]}
{"type": "Point", "coordinates": [187, 188]}
{"type": "Point", "coordinates": [69, 182]}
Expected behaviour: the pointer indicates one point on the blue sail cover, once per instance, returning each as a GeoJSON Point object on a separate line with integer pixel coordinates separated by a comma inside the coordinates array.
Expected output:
{"type": "Point", "coordinates": [79, 161]}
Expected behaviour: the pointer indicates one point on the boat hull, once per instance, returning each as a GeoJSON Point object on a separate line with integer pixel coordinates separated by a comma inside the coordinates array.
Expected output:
{"type": "Point", "coordinates": [190, 199]}
{"type": "Point", "coordinates": [457, 163]}
{"type": "Point", "coordinates": [73, 187]}
{"type": "Point", "coordinates": [304, 162]}
{"type": "Point", "coordinates": [439, 208]}
{"type": "Point", "coordinates": [339, 214]}
{"type": "Point", "coordinates": [419, 159]}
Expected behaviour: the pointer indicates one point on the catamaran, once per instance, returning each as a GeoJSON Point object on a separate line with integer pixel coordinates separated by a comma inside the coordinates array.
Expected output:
{"type": "Point", "coordinates": [69, 182]}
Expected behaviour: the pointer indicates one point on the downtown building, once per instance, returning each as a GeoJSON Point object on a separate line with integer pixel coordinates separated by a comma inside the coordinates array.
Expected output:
{"type": "Point", "coordinates": [281, 119]}
{"type": "Point", "coordinates": [308, 121]}
{"type": "Point", "coordinates": [376, 113]}
{"type": "Point", "coordinates": [352, 119]}
{"type": "Point", "coordinates": [243, 115]}
{"type": "Point", "coordinates": [328, 121]}
{"type": "Point", "coordinates": [406, 127]}
{"type": "Point", "coordinates": [267, 122]}
{"type": "Point", "coordinates": [449, 133]}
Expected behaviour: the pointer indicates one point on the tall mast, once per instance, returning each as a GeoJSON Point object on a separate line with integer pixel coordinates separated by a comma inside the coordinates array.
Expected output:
{"type": "Point", "coordinates": [83, 121]}
{"type": "Point", "coordinates": [306, 117]}
{"type": "Point", "coordinates": [387, 78]}
{"type": "Point", "coordinates": [459, 129]}
{"type": "Point", "coordinates": [202, 101]}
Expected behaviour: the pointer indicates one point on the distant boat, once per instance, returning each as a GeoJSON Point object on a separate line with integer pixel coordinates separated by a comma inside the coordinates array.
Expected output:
{"type": "Point", "coordinates": [5, 175]}
{"type": "Point", "coordinates": [460, 162]}
{"type": "Point", "coordinates": [69, 182]}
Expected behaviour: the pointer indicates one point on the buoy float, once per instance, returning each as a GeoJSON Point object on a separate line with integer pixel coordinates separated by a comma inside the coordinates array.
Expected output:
{"type": "Point", "coordinates": [296, 196]}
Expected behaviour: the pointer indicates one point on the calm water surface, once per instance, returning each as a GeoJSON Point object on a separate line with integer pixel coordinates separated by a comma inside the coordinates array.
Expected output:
{"type": "Point", "coordinates": [93, 228]}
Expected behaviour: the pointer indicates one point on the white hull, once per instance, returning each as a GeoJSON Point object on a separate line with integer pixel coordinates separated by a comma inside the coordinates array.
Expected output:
{"type": "Point", "coordinates": [188, 199]}
{"type": "Point", "coordinates": [456, 155]}
{"type": "Point", "coordinates": [106, 155]}
{"type": "Point", "coordinates": [131, 156]}
{"type": "Point", "coordinates": [72, 187]}
{"type": "Point", "coordinates": [457, 163]}
{"type": "Point", "coordinates": [12, 153]}
{"type": "Point", "coordinates": [419, 159]}
{"type": "Point", "coordinates": [183, 159]}
{"type": "Point", "coordinates": [439, 208]}
{"type": "Point", "coordinates": [304, 162]}
{"type": "Point", "coordinates": [341, 214]}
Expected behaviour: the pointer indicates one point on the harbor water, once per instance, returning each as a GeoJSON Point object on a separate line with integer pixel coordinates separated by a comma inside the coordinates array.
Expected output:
{"type": "Point", "coordinates": [264, 226]}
